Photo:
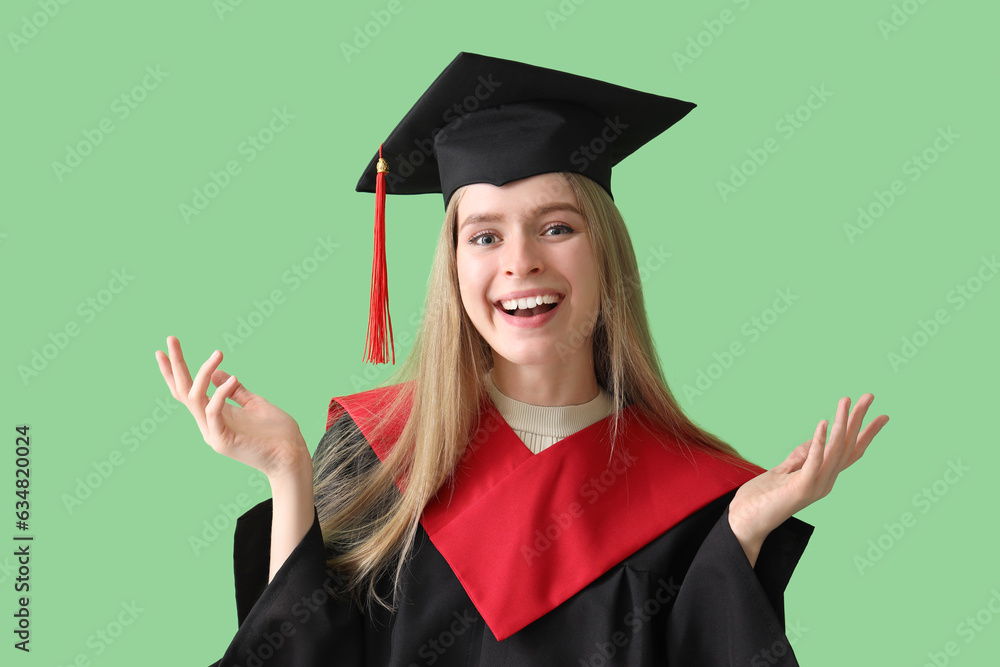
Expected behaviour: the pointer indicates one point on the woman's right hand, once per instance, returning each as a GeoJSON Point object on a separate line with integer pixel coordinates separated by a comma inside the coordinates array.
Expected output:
{"type": "Point", "coordinates": [256, 433]}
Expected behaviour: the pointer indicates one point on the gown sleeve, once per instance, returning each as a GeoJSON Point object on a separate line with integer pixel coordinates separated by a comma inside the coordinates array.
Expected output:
{"type": "Point", "coordinates": [294, 619]}
{"type": "Point", "coordinates": [729, 613]}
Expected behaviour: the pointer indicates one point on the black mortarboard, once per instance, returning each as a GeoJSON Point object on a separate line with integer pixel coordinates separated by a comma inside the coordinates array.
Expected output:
{"type": "Point", "coordinates": [490, 120]}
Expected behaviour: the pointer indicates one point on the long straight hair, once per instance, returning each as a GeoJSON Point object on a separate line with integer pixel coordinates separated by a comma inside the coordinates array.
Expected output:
{"type": "Point", "coordinates": [368, 524]}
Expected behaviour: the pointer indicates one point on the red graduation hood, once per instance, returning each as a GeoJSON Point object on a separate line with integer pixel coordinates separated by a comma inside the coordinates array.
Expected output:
{"type": "Point", "coordinates": [525, 532]}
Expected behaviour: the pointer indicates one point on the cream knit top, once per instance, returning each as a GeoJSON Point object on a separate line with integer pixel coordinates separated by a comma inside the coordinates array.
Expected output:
{"type": "Point", "coordinates": [541, 426]}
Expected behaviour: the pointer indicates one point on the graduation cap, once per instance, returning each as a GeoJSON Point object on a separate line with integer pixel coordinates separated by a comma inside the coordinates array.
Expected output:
{"type": "Point", "coordinates": [490, 120]}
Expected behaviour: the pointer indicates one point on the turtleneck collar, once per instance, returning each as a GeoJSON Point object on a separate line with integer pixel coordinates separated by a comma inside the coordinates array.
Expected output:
{"type": "Point", "coordinates": [550, 423]}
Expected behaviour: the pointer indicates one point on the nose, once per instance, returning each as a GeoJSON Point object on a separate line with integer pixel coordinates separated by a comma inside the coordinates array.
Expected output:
{"type": "Point", "coordinates": [521, 256]}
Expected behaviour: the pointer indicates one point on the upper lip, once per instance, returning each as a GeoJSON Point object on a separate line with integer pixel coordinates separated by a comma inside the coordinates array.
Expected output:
{"type": "Point", "coordinates": [541, 291]}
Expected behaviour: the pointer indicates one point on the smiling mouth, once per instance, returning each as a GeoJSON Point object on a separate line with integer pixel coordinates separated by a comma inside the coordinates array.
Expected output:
{"type": "Point", "coordinates": [534, 311]}
{"type": "Point", "coordinates": [530, 312]}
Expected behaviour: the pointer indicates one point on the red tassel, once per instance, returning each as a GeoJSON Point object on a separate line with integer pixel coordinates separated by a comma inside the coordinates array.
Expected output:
{"type": "Point", "coordinates": [376, 345]}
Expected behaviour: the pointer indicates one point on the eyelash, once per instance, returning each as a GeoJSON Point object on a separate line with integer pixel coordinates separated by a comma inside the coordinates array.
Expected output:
{"type": "Point", "coordinates": [472, 241]}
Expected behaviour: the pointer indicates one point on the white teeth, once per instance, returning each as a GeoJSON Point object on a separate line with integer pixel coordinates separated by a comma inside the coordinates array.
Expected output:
{"type": "Point", "coordinates": [529, 302]}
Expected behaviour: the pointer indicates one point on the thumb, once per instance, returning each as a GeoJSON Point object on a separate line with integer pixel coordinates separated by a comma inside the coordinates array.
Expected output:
{"type": "Point", "coordinates": [240, 393]}
{"type": "Point", "coordinates": [795, 460]}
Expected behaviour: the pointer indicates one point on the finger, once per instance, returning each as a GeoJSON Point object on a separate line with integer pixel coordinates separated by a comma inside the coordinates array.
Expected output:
{"type": "Point", "coordinates": [867, 435]}
{"type": "Point", "coordinates": [854, 424]}
{"type": "Point", "coordinates": [199, 390]}
{"type": "Point", "coordinates": [182, 385]}
{"type": "Point", "coordinates": [814, 460]}
{"type": "Point", "coordinates": [241, 395]}
{"type": "Point", "coordinates": [834, 456]}
{"type": "Point", "coordinates": [168, 375]}
{"type": "Point", "coordinates": [182, 377]}
{"type": "Point", "coordinates": [213, 411]}
{"type": "Point", "coordinates": [794, 460]}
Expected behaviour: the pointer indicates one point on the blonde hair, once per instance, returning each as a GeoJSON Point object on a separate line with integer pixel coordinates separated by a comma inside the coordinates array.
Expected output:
{"type": "Point", "coordinates": [368, 525]}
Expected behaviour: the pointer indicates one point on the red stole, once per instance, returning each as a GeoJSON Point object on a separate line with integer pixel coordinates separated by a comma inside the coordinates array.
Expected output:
{"type": "Point", "coordinates": [525, 532]}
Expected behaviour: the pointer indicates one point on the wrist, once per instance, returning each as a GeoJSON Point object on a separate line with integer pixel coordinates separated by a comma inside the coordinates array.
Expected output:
{"type": "Point", "coordinates": [294, 469]}
{"type": "Point", "coordinates": [745, 524]}
{"type": "Point", "coordinates": [750, 539]}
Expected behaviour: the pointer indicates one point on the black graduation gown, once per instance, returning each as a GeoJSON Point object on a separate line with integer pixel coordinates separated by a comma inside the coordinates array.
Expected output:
{"type": "Point", "coordinates": [687, 596]}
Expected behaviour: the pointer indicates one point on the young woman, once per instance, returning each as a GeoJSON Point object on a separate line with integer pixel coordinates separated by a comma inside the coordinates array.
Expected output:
{"type": "Point", "coordinates": [525, 491]}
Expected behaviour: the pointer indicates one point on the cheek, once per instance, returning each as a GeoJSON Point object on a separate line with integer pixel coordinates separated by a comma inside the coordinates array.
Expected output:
{"type": "Point", "coordinates": [471, 277]}
{"type": "Point", "coordinates": [587, 279]}
{"type": "Point", "coordinates": [595, 289]}
{"type": "Point", "coordinates": [468, 287]}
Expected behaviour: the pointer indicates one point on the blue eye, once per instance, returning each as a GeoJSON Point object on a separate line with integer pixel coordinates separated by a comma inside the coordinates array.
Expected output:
{"type": "Point", "coordinates": [566, 229]}
{"type": "Point", "coordinates": [480, 235]}
{"type": "Point", "coordinates": [560, 226]}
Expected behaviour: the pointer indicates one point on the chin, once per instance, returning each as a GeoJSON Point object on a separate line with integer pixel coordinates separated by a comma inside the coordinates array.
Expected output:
{"type": "Point", "coordinates": [528, 353]}
{"type": "Point", "coordinates": [523, 358]}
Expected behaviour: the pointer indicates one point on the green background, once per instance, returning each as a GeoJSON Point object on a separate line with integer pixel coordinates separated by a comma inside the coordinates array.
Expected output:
{"type": "Point", "coordinates": [224, 74]}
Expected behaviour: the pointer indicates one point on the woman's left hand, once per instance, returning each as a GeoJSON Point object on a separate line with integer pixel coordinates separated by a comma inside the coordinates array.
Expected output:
{"type": "Point", "coordinates": [768, 500]}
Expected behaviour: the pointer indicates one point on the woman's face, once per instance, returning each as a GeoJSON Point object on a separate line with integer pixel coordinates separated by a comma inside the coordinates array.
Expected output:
{"type": "Point", "coordinates": [522, 240]}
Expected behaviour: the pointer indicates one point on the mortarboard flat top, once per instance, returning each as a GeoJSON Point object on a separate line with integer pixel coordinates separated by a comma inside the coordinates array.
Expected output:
{"type": "Point", "coordinates": [490, 120]}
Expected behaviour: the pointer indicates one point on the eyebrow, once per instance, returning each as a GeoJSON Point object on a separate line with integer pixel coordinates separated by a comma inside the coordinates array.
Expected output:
{"type": "Point", "coordinates": [537, 213]}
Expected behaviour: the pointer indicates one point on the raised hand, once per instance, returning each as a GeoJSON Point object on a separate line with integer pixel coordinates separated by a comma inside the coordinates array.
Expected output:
{"type": "Point", "coordinates": [256, 433]}
{"type": "Point", "coordinates": [806, 475]}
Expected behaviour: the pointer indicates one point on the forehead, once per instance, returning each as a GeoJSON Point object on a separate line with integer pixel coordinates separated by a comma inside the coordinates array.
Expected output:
{"type": "Point", "coordinates": [517, 197]}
